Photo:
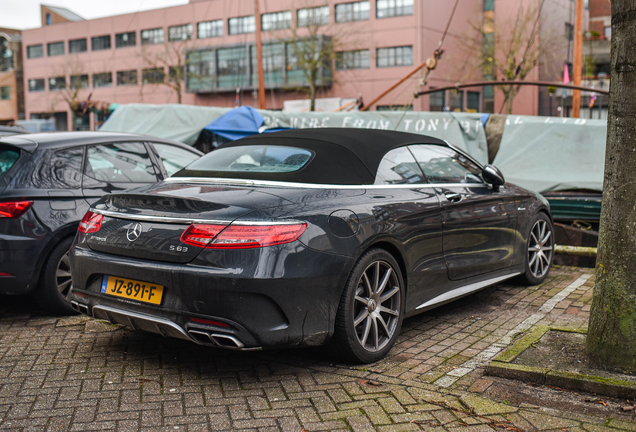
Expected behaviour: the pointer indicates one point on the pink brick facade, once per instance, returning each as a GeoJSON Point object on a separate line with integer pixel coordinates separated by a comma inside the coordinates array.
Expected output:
{"type": "Point", "coordinates": [420, 30]}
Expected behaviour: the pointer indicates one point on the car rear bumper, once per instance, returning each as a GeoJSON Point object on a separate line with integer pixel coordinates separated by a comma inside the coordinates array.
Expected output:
{"type": "Point", "coordinates": [282, 296]}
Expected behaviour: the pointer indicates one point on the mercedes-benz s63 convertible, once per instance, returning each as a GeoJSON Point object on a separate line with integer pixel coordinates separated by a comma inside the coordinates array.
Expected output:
{"type": "Point", "coordinates": [305, 237]}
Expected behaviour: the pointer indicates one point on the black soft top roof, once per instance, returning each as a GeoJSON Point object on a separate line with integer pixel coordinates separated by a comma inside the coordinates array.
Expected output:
{"type": "Point", "coordinates": [341, 155]}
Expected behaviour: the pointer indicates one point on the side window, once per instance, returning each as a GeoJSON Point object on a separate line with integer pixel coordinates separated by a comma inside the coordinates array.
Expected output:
{"type": "Point", "coordinates": [120, 163]}
{"type": "Point", "coordinates": [66, 167]}
{"type": "Point", "coordinates": [398, 167]}
{"type": "Point", "coordinates": [444, 165]}
{"type": "Point", "coordinates": [173, 157]}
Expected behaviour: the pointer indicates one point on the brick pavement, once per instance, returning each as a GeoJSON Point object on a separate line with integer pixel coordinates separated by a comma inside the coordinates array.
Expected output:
{"type": "Point", "coordinates": [79, 374]}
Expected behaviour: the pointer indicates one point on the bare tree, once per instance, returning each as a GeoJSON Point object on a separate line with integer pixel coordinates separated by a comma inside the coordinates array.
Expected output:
{"type": "Point", "coordinates": [512, 50]}
{"type": "Point", "coordinates": [312, 50]}
{"type": "Point", "coordinates": [170, 56]}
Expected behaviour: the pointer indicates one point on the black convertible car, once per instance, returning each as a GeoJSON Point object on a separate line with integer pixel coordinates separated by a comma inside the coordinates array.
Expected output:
{"type": "Point", "coordinates": [302, 237]}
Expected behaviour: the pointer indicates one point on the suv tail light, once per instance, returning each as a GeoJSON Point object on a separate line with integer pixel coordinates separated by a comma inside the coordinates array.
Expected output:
{"type": "Point", "coordinates": [91, 222]}
{"type": "Point", "coordinates": [241, 236]}
{"type": "Point", "coordinates": [14, 209]}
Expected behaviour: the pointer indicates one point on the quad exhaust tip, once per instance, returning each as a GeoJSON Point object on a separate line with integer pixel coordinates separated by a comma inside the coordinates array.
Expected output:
{"type": "Point", "coordinates": [220, 340]}
{"type": "Point", "coordinates": [81, 308]}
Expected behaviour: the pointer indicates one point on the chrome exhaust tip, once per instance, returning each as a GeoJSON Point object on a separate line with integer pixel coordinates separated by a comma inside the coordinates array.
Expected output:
{"type": "Point", "coordinates": [79, 307]}
{"type": "Point", "coordinates": [220, 340]}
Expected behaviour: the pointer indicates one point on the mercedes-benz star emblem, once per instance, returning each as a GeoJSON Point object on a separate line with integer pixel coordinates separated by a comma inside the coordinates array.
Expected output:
{"type": "Point", "coordinates": [134, 232]}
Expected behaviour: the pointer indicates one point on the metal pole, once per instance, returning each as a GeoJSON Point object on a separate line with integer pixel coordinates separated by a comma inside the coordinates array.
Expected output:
{"type": "Point", "coordinates": [259, 57]}
{"type": "Point", "coordinates": [578, 58]}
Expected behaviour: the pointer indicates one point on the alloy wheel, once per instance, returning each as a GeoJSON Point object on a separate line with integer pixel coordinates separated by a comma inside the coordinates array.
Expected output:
{"type": "Point", "coordinates": [540, 249]}
{"type": "Point", "coordinates": [377, 306]}
{"type": "Point", "coordinates": [63, 276]}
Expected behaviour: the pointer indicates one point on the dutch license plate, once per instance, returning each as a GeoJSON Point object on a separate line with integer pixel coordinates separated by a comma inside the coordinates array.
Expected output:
{"type": "Point", "coordinates": [132, 289]}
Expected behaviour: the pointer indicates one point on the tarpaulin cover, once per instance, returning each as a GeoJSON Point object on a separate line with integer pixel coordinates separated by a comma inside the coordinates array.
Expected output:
{"type": "Point", "coordinates": [237, 123]}
{"type": "Point", "coordinates": [184, 123]}
{"type": "Point", "coordinates": [553, 154]}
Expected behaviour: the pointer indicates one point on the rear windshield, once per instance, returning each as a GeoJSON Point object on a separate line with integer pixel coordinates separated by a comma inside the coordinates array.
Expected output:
{"type": "Point", "coordinates": [8, 158]}
{"type": "Point", "coordinates": [253, 159]}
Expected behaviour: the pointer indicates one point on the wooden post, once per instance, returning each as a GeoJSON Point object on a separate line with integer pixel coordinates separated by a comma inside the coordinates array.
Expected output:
{"type": "Point", "coordinates": [578, 59]}
{"type": "Point", "coordinates": [259, 57]}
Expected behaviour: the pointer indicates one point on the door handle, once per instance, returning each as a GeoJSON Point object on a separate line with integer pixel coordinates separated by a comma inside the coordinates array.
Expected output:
{"type": "Point", "coordinates": [453, 196]}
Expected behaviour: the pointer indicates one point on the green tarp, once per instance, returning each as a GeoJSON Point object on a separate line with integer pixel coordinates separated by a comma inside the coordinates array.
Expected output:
{"type": "Point", "coordinates": [184, 123]}
{"type": "Point", "coordinates": [553, 154]}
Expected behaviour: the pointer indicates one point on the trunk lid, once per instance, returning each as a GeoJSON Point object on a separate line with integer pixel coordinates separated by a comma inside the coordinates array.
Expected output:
{"type": "Point", "coordinates": [148, 223]}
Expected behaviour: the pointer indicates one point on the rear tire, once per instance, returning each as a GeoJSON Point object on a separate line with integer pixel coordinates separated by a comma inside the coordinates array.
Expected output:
{"type": "Point", "coordinates": [539, 252]}
{"type": "Point", "coordinates": [371, 309]}
{"type": "Point", "coordinates": [55, 281]}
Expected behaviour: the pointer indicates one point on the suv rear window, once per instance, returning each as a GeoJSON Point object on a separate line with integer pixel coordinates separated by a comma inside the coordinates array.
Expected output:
{"type": "Point", "coordinates": [8, 158]}
{"type": "Point", "coordinates": [256, 158]}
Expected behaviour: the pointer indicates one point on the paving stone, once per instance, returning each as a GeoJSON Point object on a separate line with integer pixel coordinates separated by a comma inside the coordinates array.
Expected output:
{"type": "Point", "coordinates": [76, 374]}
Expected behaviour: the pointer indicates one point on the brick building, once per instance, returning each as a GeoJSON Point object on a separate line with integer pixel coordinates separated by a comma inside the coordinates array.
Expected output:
{"type": "Point", "coordinates": [128, 58]}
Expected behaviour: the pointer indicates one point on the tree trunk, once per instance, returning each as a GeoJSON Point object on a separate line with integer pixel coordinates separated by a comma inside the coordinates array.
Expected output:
{"type": "Point", "coordinates": [611, 339]}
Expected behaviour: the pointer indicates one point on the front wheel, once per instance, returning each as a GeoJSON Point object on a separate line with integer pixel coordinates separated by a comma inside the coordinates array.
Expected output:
{"type": "Point", "coordinates": [371, 309]}
{"type": "Point", "coordinates": [539, 251]}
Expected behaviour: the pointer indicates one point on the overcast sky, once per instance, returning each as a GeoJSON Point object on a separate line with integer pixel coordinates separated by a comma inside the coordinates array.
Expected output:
{"type": "Point", "coordinates": [25, 14]}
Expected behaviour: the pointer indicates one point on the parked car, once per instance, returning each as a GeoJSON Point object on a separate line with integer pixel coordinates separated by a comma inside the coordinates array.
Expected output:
{"type": "Point", "coordinates": [300, 237]}
{"type": "Point", "coordinates": [48, 181]}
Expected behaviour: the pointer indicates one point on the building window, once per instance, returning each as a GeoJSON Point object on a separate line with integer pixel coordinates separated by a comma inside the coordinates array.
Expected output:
{"type": "Point", "coordinates": [49, 20]}
{"type": "Point", "coordinates": [180, 33]}
{"type": "Point", "coordinates": [276, 20]}
{"type": "Point", "coordinates": [313, 16]}
{"type": "Point", "coordinates": [232, 67]}
{"type": "Point", "coordinates": [152, 36]}
{"type": "Point", "coordinates": [36, 85]}
{"type": "Point", "coordinates": [128, 77]}
{"type": "Point", "coordinates": [55, 49]}
{"type": "Point", "coordinates": [358, 11]}
{"type": "Point", "coordinates": [241, 25]}
{"type": "Point", "coordinates": [437, 101]}
{"type": "Point", "coordinates": [607, 32]}
{"type": "Point", "coordinates": [456, 100]}
{"type": "Point", "coordinates": [5, 93]}
{"type": "Point", "coordinates": [392, 8]}
{"type": "Point", "coordinates": [104, 79]}
{"type": "Point", "coordinates": [35, 51]}
{"type": "Point", "coordinates": [123, 40]}
{"type": "Point", "coordinates": [273, 65]}
{"type": "Point", "coordinates": [100, 43]}
{"type": "Point", "coordinates": [79, 82]}
{"type": "Point", "coordinates": [176, 73]}
{"type": "Point", "coordinates": [77, 46]}
{"type": "Point", "coordinates": [472, 101]}
{"type": "Point", "coordinates": [358, 59]}
{"type": "Point", "coordinates": [210, 29]}
{"type": "Point", "coordinates": [489, 5]}
{"type": "Point", "coordinates": [153, 76]}
{"type": "Point", "coordinates": [6, 56]}
{"type": "Point", "coordinates": [394, 108]}
{"type": "Point", "coordinates": [394, 56]}
{"type": "Point", "coordinates": [201, 70]}
{"type": "Point", "coordinates": [57, 83]}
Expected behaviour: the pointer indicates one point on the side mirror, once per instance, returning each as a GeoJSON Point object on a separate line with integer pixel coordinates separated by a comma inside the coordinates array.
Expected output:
{"type": "Point", "coordinates": [492, 175]}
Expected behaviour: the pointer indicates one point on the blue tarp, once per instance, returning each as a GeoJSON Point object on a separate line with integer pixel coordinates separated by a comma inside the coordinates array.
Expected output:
{"type": "Point", "coordinates": [238, 123]}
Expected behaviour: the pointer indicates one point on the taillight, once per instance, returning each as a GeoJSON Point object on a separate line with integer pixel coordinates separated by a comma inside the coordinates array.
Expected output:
{"type": "Point", "coordinates": [14, 209]}
{"type": "Point", "coordinates": [91, 222]}
{"type": "Point", "coordinates": [201, 235]}
{"type": "Point", "coordinates": [241, 236]}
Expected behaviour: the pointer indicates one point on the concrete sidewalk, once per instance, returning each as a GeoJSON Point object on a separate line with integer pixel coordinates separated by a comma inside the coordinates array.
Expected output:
{"type": "Point", "coordinates": [79, 374]}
